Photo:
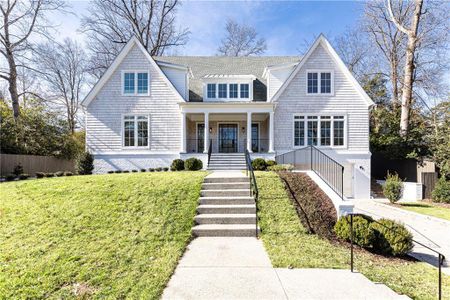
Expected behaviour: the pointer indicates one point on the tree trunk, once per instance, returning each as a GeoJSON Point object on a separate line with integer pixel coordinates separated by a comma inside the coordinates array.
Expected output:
{"type": "Point", "coordinates": [13, 84]}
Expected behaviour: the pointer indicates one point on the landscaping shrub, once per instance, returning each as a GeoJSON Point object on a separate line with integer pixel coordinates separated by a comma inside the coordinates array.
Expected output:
{"type": "Point", "coordinates": [24, 176]}
{"type": "Point", "coordinates": [193, 164]}
{"type": "Point", "coordinates": [49, 175]}
{"type": "Point", "coordinates": [143, 170]}
{"type": "Point", "coordinates": [18, 170]}
{"type": "Point", "coordinates": [283, 167]}
{"type": "Point", "coordinates": [40, 175]}
{"type": "Point", "coordinates": [159, 169]}
{"type": "Point", "coordinates": [118, 171]}
{"type": "Point", "coordinates": [177, 165]}
{"type": "Point", "coordinates": [363, 233]}
{"type": "Point", "coordinates": [270, 163]}
{"type": "Point", "coordinates": [10, 177]}
{"type": "Point", "coordinates": [391, 238]}
{"type": "Point", "coordinates": [151, 170]}
{"type": "Point", "coordinates": [315, 209]}
{"type": "Point", "coordinates": [441, 192]}
{"type": "Point", "coordinates": [110, 172]}
{"type": "Point", "coordinates": [126, 171]}
{"type": "Point", "coordinates": [392, 188]}
{"type": "Point", "coordinates": [134, 171]}
{"type": "Point", "coordinates": [59, 173]}
{"type": "Point", "coordinates": [68, 173]}
{"type": "Point", "coordinates": [165, 169]}
{"type": "Point", "coordinates": [85, 164]}
{"type": "Point", "coordinates": [259, 164]}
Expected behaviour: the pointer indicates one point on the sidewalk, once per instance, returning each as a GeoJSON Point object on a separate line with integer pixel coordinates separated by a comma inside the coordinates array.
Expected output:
{"type": "Point", "coordinates": [431, 232]}
{"type": "Point", "coordinates": [239, 268]}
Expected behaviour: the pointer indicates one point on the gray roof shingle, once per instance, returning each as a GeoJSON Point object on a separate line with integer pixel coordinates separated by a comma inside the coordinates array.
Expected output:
{"type": "Point", "coordinates": [224, 65]}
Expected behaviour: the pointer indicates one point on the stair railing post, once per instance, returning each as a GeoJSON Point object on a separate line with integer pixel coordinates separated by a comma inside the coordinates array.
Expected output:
{"type": "Point", "coordinates": [351, 242]}
{"type": "Point", "coordinates": [440, 275]}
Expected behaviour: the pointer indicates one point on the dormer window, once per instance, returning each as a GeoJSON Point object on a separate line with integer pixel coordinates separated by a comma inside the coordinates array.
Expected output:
{"type": "Point", "coordinates": [223, 90]}
{"type": "Point", "coordinates": [233, 90]}
{"type": "Point", "coordinates": [211, 90]}
{"type": "Point", "coordinates": [244, 90]}
{"type": "Point", "coordinates": [319, 82]}
{"type": "Point", "coordinates": [135, 83]}
{"type": "Point", "coordinates": [228, 87]}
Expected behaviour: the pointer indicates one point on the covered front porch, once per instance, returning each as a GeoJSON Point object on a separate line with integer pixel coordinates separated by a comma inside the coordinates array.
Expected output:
{"type": "Point", "coordinates": [227, 127]}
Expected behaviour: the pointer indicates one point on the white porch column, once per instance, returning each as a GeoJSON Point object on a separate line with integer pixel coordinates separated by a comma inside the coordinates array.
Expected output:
{"type": "Point", "coordinates": [271, 131]}
{"type": "Point", "coordinates": [249, 132]}
{"type": "Point", "coordinates": [183, 132]}
{"type": "Point", "coordinates": [206, 141]}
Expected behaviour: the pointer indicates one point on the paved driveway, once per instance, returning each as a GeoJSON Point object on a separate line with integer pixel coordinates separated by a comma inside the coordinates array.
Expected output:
{"type": "Point", "coordinates": [432, 232]}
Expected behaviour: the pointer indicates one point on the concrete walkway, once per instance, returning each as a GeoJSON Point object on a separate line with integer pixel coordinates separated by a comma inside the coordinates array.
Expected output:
{"type": "Point", "coordinates": [430, 231]}
{"type": "Point", "coordinates": [239, 268]}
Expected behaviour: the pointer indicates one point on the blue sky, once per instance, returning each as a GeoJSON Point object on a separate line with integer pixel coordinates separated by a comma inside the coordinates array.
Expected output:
{"type": "Point", "coordinates": [285, 25]}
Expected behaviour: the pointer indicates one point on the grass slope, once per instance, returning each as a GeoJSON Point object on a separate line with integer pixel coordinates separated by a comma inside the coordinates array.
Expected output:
{"type": "Point", "coordinates": [288, 245]}
{"type": "Point", "coordinates": [426, 208]}
{"type": "Point", "coordinates": [101, 236]}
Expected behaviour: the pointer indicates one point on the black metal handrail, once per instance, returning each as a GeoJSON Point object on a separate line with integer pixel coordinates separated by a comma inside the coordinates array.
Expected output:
{"type": "Point", "coordinates": [209, 150]}
{"type": "Point", "coordinates": [253, 185]}
{"type": "Point", "coordinates": [311, 158]}
{"type": "Point", "coordinates": [440, 256]}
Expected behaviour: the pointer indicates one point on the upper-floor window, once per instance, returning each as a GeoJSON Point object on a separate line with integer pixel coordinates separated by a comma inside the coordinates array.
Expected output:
{"type": "Point", "coordinates": [245, 90]}
{"type": "Point", "coordinates": [328, 131]}
{"type": "Point", "coordinates": [319, 82]}
{"type": "Point", "coordinates": [222, 90]}
{"type": "Point", "coordinates": [135, 131]}
{"type": "Point", "coordinates": [233, 90]}
{"type": "Point", "coordinates": [211, 90]}
{"type": "Point", "coordinates": [135, 83]}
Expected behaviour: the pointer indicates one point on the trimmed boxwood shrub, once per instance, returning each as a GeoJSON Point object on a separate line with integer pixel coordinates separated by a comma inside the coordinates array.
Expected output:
{"type": "Point", "coordinates": [18, 170]}
{"type": "Point", "coordinates": [270, 163]}
{"type": "Point", "coordinates": [59, 173]}
{"type": "Point", "coordinates": [24, 176]}
{"type": "Point", "coordinates": [118, 171]}
{"type": "Point", "coordinates": [363, 233]}
{"type": "Point", "coordinates": [49, 175]}
{"type": "Point", "coordinates": [165, 169]}
{"type": "Point", "coordinates": [283, 167]}
{"type": "Point", "coordinates": [392, 188]}
{"type": "Point", "coordinates": [126, 171]}
{"type": "Point", "coordinates": [193, 164]}
{"type": "Point", "coordinates": [134, 171]}
{"type": "Point", "coordinates": [68, 173]}
{"type": "Point", "coordinates": [110, 172]}
{"type": "Point", "coordinates": [259, 164]}
{"type": "Point", "coordinates": [391, 238]}
{"type": "Point", "coordinates": [151, 170]}
{"type": "Point", "coordinates": [177, 165]}
{"type": "Point", "coordinates": [159, 169]}
{"type": "Point", "coordinates": [143, 170]}
{"type": "Point", "coordinates": [10, 177]}
{"type": "Point", "coordinates": [40, 174]}
{"type": "Point", "coordinates": [441, 192]}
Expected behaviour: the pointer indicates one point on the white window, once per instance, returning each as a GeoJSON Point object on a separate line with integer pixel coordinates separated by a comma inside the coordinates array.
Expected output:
{"type": "Point", "coordinates": [211, 90]}
{"type": "Point", "coordinates": [135, 83]}
{"type": "Point", "coordinates": [135, 131]}
{"type": "Point", "coordinates": [322, 131]}
{"type": "Point", "coordinates": [245, 92]}
{"type": "Point", "coordinates": [319, 82]}
{"type": "Point", "coordinates": [234, 90]}
{"type": "Point", "coordinates": [222, 90]}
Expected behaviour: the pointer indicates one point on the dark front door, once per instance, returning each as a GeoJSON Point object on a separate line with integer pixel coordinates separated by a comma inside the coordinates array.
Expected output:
{"type": "Point", "coordinates": [200, 137]}
{"type": "Point", "coordinates": [228, 138]}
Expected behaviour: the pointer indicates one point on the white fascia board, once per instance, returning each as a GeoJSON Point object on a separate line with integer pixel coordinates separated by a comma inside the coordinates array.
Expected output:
{"type": "Point", "coordinates": [201, 107]}
{"type": "Point", "coordinates": [321, 40]}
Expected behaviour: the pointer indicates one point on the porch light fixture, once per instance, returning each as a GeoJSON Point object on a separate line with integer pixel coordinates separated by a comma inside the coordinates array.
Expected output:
{"type": "Point", "coordinates": [243, 129]}
{"type": "Point", "coordinates": [210, 129]}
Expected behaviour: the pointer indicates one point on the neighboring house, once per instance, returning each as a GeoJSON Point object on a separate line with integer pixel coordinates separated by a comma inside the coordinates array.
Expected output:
{"type": "Point", "coordinates": [146, 111]}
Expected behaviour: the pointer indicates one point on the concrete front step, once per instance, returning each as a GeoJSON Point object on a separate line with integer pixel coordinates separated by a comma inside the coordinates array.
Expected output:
{"type": "Point", "coordinates": [225, 230]}
{"type": "Point", "coordinates": [226, 186]}
{"type": "Point", "coordinates": [232, 168]}
{"type": "Point", "coordinates": [226, 200]}
{"type": "Point", "coordinates": [227, 209]}
{"type": "Point", "coordinates": [226, 193]}
{"type": "Point", "coordinates": [227, 154]}
{"type": "Point", "coordinates": [226, 219]}
{"type": "Point", "coordinates": [225, 162]}
{"type": "Point", "coordinates": [225, 179]}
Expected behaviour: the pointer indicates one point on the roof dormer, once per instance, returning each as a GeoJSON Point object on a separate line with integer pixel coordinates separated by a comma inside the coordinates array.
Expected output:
{"type": "Point", "coordinates": [218, 87]}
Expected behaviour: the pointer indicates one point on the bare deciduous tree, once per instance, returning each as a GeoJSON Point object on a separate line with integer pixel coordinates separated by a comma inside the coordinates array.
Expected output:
{"type": "Point", "coordinates": [64, 68]}
{"type": "Point", "coordinates": [241, 40]}
{"type": "Point", "coordinates": [20, 21]}
{"type": "Point", "coordinates": [112, 23]}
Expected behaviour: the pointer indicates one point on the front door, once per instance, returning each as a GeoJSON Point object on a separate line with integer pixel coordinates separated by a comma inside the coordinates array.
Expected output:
{"type": "Point", "coordinates": [200, 137]}
{"type": "Point", "coordinates": [228, 138]}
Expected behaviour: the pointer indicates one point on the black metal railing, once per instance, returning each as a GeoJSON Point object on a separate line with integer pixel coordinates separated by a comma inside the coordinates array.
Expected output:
{"type": "Point", "coordinates": [253, 185]}
{"type": "Point", "coordinates": [440, 256]}
{"type": "Point", "coordinates": [311, 158]}
{"type": "Point", "coordinates": [209, 151]}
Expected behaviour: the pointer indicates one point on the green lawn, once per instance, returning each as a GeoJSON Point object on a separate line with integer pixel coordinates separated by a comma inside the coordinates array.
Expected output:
{"type": "Point", "coordinates": [288, 245]}
{"type": "Point", "coordinates": [427, 208]}
{"type": "Point", "coordinates": [102, 236]}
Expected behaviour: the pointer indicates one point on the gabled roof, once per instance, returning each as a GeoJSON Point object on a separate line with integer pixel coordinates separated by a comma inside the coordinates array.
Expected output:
{"type": "Point", "coordinates": [321, 40]}
{"type": "Point", "coordinates": [202, 66]}
{"type": "Point", "coordinates": [110, 71]}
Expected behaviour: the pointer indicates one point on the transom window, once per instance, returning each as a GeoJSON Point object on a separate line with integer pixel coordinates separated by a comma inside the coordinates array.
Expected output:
{"type": "Point", "coordinates": [327, 131]}
{"type": "Point", "coordinates": [135, 131]}
{"type": "Point", "coordinates": [319, 82]}
{"type": "Point", "coordinates": [135, 83]}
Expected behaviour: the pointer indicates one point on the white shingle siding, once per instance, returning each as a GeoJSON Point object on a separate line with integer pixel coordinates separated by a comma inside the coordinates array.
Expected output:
{"type": "Point", "coordinates": [346, 101]}
{"type": "Point", "coordinates": [104, 113]}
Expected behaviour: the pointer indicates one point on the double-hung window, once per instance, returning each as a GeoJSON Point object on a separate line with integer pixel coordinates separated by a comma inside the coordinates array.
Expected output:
{"type": "Point", "coordinates": [135, 83]}
{"type": "Point", "coordinates": [233, 90]}
{"type": "Point", "coordinates": [245, 90]}
{"type": "Point", "coordinates": [222, 90]}
{"type": "Point", "coordinates": [211, 90]}
{"type": "Point", "coordinates": [135, 131]}
{"type": "Point", "coordinates": [319, 82]}
{"type": "Point", "coordinates": [324, 131]}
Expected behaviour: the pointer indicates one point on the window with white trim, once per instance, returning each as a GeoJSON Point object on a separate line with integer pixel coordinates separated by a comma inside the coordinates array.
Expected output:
{"type": "Point", "coordinates": [211, 90]}
{"type": "Point", "coordinates": [225, 91]}
{"type": "Point", "coordinates": [135, 83]}
{"type": "Point", "coordinates": [234, 90]}
{"type": "Point", "coordinates": [222, 90]}
{"type": "Point", "coordinates": [135, 131]}
{"type": "Point", "coordinates": [319, 82]}
{"type": "Point", "coordinates": [245, 90]}
{"type": "Point", "coordinates": [324, 131]}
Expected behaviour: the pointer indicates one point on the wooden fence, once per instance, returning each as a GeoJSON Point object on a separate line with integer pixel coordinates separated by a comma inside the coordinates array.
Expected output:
{"type": "Point", "coordinates": [429, 180]}
{"type": "Point", "coordinates": [33, 163]}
